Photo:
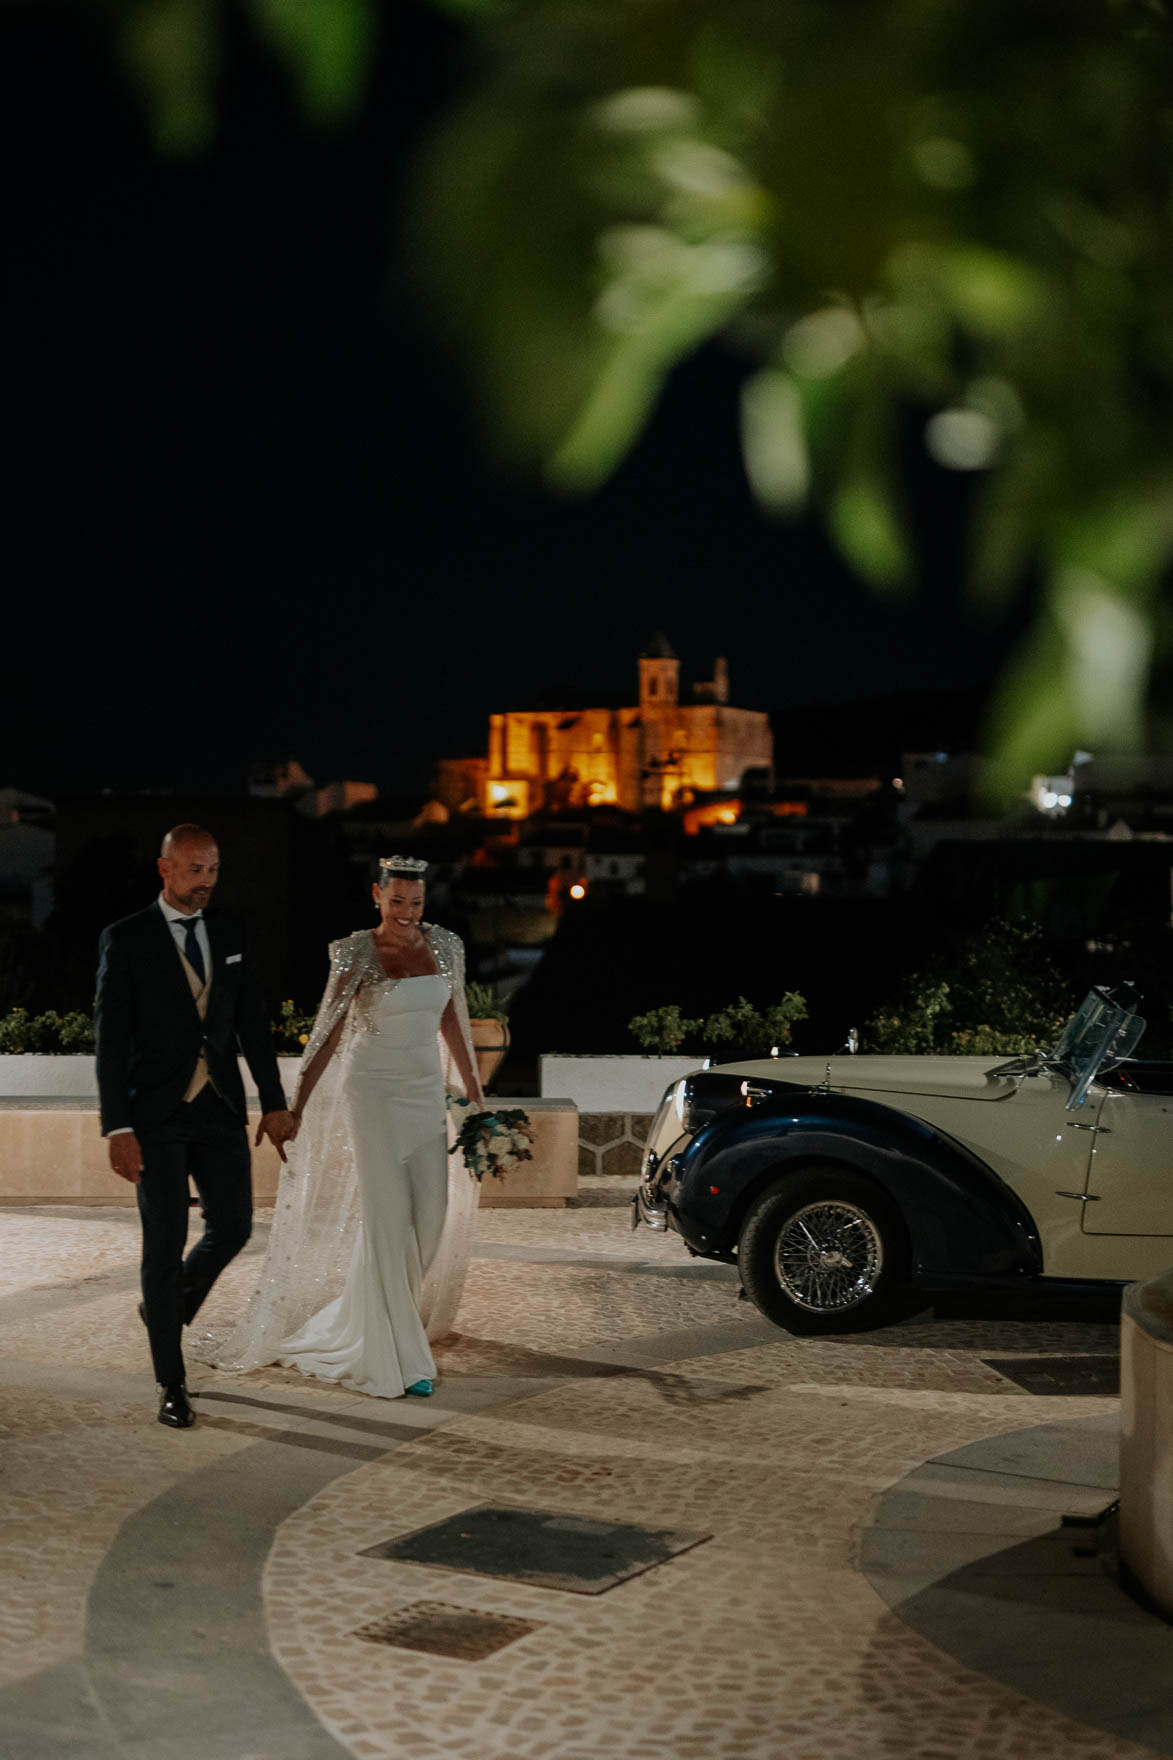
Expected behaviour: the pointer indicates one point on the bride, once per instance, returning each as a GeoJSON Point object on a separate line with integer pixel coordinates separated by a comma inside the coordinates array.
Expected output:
{"type": "Point", "coordinates": [373, 1220]}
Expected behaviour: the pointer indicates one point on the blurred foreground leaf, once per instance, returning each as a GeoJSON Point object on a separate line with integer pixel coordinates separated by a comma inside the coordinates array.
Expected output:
{"type": "Point", "coordinates": [920, 205]}
{"type": "Point", "coordinates": [174, 49]}
{"type": "Point", "coordinates": [958, 208]}
{"type": "Point", "coordinates": [171, 46]}
{"type": "Point", "coordinates": [327, 45]}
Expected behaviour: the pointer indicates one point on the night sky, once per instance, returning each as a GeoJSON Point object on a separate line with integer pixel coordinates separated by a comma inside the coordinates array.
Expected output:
{"type": "Point", "coordinates": [249, 510]}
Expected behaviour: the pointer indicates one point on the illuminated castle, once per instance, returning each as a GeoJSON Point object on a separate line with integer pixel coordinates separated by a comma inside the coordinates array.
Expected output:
{"type": "Point", "coordinates": [658, 753]}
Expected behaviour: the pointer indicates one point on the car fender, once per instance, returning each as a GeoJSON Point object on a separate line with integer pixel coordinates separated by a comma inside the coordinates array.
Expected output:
{"type": "Point", "coordinates": [964, 1222]}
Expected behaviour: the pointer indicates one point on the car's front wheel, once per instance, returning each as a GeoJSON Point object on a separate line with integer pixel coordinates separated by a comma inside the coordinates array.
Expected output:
{"type": "Point", "coordinates": [824, 1251]}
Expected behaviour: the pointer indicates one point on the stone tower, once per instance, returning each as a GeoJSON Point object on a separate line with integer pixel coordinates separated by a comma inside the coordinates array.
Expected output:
{"type": "Point", "coordinates": [659, 676]}
{"type": "Point", "coordinates": [659, 697]}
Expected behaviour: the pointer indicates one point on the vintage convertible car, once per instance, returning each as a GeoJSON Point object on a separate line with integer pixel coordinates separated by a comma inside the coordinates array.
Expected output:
{"type": "Point", "coordinates": [839, 1186]}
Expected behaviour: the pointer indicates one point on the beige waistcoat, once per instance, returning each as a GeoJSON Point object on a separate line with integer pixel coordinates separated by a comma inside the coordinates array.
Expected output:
{"type": "Point", "coordinates": [199, 994]}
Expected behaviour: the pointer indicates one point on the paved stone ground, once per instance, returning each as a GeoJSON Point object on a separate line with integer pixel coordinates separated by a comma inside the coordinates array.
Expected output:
{"type": "Point", "coordinates": [887, 1573]}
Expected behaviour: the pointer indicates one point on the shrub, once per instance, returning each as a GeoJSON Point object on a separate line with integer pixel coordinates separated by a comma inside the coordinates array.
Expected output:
{"type": "Point", "coordinates": [999, 995]}
{"type": "Point", "coordinates": [754, 1032]}
{"type": "Point", "coordinates": [662, 1030]}
{"type": "Point", "coordinates": [740, 1028]}
{"type": "Point", "coordinates": [49, 1034]}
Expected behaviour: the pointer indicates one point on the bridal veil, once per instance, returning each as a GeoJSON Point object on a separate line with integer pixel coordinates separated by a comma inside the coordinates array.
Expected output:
{"type": "Point", "coordinates": [317, 1216]}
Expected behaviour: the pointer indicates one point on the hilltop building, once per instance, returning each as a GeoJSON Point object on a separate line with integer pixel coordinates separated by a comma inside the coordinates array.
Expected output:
{"type": "Point", "coordinates": [658, 753]}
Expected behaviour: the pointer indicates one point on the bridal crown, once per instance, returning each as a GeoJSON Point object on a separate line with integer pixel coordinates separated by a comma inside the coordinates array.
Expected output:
{"type": "Point", "coordinates": [410, 867]}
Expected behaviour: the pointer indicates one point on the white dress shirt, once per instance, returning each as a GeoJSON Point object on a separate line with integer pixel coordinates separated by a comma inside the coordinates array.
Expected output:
{"type": "Point", "coordinates": [178, 923]}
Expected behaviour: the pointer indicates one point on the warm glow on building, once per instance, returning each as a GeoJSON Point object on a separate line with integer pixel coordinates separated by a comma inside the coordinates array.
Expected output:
{"type": "Point", "coordinates": [509, 800]}
{"type": "Point", "coordinates": [712, 813]}
{"type": "Point", "coordinates": [657, 753]}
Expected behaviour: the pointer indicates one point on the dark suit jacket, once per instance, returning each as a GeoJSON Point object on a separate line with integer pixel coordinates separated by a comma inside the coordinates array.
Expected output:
{"type": "Point", "coordinates": [149, 1033]}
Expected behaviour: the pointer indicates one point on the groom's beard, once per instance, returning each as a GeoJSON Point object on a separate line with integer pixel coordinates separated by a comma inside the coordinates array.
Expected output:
{"type": "Point", "coordinates": [194, 901]}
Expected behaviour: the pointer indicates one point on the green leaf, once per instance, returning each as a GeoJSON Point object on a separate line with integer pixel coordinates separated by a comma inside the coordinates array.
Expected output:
{"type": "Point", "coordinates": [171, 45]}
{"type": "Point", "coordinates": [628, 384]}
{"type": "Point", "coordinates": [326, 43]}
{"type": "Point", "coordinates": [1124, 538]}
{"type": "Point", "coordinates": [773, 441]}
{"type": "Point", "coordinates": [994, 295]}
{"type": "Point", "coordinates": [868, 530]}
{"type": "Point", "coordinates": [1033, 724]}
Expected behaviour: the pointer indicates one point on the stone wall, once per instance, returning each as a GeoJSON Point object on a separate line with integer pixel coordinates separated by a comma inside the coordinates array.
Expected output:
{"type": "Point", "coordinates": [612, 1143]}
{"type": "Point", "coordinates": [52, 1152]}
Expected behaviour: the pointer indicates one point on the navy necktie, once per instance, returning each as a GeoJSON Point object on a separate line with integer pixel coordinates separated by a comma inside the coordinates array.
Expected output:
{"type": "Point", "coordinates": [194, 957]}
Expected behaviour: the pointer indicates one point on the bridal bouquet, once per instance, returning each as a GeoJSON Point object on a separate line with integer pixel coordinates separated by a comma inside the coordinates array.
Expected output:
{"type": "Point", "coordinates": [493, 1142]}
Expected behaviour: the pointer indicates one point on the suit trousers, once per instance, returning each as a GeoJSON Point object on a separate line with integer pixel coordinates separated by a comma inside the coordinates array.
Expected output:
{"type": "Point", "coordinates": [204, 1139]}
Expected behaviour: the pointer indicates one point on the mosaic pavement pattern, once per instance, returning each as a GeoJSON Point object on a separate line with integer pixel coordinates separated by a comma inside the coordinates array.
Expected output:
{"type": "Point", "coordinates": [205, 1594]}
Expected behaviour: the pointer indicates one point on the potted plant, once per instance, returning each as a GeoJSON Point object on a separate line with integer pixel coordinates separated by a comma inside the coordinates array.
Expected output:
{"type": "Point", "coordinates": [489, 1020]}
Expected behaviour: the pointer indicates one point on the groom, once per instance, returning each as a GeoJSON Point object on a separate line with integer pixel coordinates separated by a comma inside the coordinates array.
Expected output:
{"type": "Point", "coordinates": [177, 998]}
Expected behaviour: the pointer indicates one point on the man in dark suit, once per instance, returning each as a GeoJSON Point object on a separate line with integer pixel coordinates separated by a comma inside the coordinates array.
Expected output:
{"type": "Point", "coordinates": [177, 1000]}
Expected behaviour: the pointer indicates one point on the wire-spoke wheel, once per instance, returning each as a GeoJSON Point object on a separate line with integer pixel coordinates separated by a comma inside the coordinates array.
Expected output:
{"type": "Point", "coordinates": [829, 1257]}
{"type": "Point", "coordinates": [824, 1251]}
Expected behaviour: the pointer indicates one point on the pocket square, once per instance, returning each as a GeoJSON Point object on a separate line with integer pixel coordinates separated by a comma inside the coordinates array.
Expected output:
{"type": "Point", "coordinates": [233, 959]}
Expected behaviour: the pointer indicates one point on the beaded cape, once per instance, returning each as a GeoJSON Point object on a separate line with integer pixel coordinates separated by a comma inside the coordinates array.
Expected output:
{"type": "Point", "coordinates": [317, 1216]}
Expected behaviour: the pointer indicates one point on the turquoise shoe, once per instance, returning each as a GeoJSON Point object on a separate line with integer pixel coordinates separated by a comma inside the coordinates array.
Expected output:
{"type": "Point", "coordinates": [423, 1388]}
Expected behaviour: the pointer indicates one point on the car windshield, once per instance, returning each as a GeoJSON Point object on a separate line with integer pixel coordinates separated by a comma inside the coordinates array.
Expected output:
{"type": "Point", "coordinates": [1101, 1032]}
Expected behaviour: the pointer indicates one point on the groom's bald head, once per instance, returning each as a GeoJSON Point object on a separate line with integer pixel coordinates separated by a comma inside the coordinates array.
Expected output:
{"type": "Point", "coordinates": [180, 835]}
{"type": "Point", "coordinates": [189, 864]}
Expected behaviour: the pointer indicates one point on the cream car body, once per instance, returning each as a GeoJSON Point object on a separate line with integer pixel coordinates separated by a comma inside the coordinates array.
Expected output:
{"type": "Point", "coordinates": [1099, 1183]}
{"type": "Point", "coordinates": [1069, 1158]}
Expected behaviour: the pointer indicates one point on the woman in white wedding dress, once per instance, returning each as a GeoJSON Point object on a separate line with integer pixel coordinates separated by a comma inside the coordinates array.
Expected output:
{"type": "Point", "coordinates": [373, 1218]}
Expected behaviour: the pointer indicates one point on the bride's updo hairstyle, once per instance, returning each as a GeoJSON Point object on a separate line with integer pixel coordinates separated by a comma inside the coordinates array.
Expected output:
{"type": "Point", "coordinates": [401, 868]}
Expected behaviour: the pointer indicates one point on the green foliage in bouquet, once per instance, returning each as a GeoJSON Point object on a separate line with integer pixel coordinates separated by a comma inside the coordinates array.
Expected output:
{"type": "Point", "coordinates": [662, 1031]}
{"type": "Point", "coordinates": [292, 1029]}
{"type": "Point", "coordinates": [1000, 994]}
{"type": "Point", "coordinates": [493, 1142]}
{"type": "Point", "coordinates": [49, 1034]}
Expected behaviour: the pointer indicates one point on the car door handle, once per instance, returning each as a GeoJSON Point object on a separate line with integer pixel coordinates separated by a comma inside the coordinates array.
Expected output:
{"type": "Point", "coordinates": [1073, 1124]}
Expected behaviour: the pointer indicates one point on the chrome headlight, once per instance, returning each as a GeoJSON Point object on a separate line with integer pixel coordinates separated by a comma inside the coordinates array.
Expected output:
{"type": "Point", "coordinates": [684, 1098]}
{"type": "Point", "coordinates": [670, 1104]}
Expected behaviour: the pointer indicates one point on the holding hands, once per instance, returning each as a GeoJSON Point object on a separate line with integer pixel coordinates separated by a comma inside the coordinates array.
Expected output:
{"type": "Point", "coordinates": [126, 1156]}
{"type": "Point", "coordinates": [280, 1128]}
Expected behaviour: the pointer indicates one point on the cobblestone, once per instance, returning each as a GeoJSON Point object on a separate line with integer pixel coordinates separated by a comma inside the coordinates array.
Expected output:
{"type": "Point", "coordinates": [764, 1641]}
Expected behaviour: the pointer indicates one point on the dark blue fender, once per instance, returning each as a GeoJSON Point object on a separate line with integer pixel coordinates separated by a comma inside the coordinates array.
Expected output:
{"type": "Point", "coordinates": [965, 1225]}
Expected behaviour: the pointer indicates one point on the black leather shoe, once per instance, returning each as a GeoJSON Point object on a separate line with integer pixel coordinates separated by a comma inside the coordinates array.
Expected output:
{"type": "Point", "coordinates": [176, 1409]}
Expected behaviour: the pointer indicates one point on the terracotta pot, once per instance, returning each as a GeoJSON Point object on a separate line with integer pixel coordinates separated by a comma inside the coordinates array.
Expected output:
{"type": "Point", "coordinates": [490, 1040]}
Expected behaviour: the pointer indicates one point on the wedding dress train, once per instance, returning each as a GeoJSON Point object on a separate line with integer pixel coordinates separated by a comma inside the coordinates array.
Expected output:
{"type": "Point", "coordinates": [373, 1219]}
{"type": "Point", "coordinates": [371, 1337]}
